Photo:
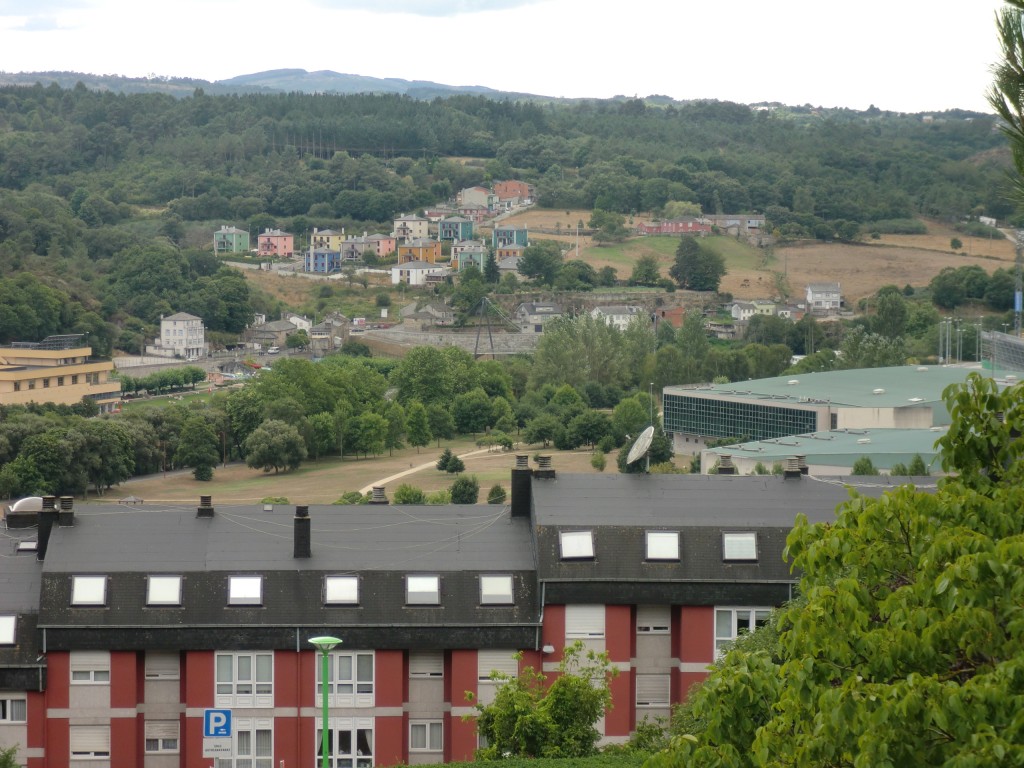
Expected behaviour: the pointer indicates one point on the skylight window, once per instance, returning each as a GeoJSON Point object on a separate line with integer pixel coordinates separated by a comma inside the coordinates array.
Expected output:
{"type": "Point", "coordinates": [577, 545]}
{"type": "Point", "coordinates": [739, 546]}
{"type": "Point", "coordinates": [8, 625]}
{"type": "Point", "coordinates": [341, 590]}
{"type": "Point", "coordinates": [496, 590]}
{"type": "Point", "coordinates": [88, 590]}
{"type": "Point", "coordinates": [422, 590]}
{"type": "Point", "coordinates": [245, 590]}
{"type": "Point", "coordinates": [163, 590]}
{"type": "Point", "coordinates": [663, 545]}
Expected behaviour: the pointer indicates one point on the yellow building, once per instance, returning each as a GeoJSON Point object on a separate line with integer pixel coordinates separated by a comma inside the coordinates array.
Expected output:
{"type": "Point", "coordinates": [58, 369]}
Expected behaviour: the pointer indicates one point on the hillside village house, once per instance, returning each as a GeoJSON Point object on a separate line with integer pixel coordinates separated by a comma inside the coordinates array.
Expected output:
{"type": "Point", "coordinates": [618, 316]}
{"type": "Point", "coordinates": [356, 248]}
{"type": "Point", "coordinates": [417, 272]}
{"type": "Point", "coordinates": [270, 334]}
{"type": "Point", "coordinates": [509, 251]}
{"type": "Point", "coordinates": [411, 227]}
{"type": "Point", "coordinates": [230, 240]}
{"type": "Point", "coordinates": [58, 369]}
{"type": "Point", "coordinates": [121, 627]}
{"type": "Point", "coordinates": [742, 311]}
{"type": "Point", "coordinates": [327, 239]}
{"type": "Point", "coordinates": [514, 192]}
{"type": "Point", "coordinates": [506, 234]}
{"type": "Point", "coordinates": [474, 256]}
{"type": "Point", "coordinates": [675, 227]}
{"type": "Point", "coordinates": [322, 261]}
{"type": "Point", "coordinates": [181, 335]}
{"type": "Point", "coordinates": [473, 212]}
{"type": "Point", "coordinates": [532, 316]}
{"type": "Point", "coordinates": [420, 249]}
{"type": "Point", "coordinates": [481, 196]}
{"type": "Point", "coordinates": [274, 242]}
{"type": "Point", "coordinates": [823, 298]}
{"type": "Point", "coordinates": [455, 228]}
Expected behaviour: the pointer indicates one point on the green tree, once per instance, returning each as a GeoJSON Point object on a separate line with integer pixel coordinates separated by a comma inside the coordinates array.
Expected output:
{"type": "Point", "coordinates": [646, 271]}
{"type": "Point", "coordinates": [408, 494]}
{"type": "Point", "coordinates": [465, 490]}
{"type": "Point", "coordinates": [454, 466]}
{"type": "Point", "coordinates": [910, 606]}
{"type": "Point", "coordinates": [444, 459]}
{"type": "Point", "coordinates": [696, 267]}
{"type": "Point", "coordinates": [297, 340]}
{"type": "Point", "coordinates": [531, 719]}
{"type": "Point", "coordinates": [864, 466]}
{"type": "Point", "coordinates": [543, 429]}
{"type": "Point", "coordinates": [368, 433]}
{"type": "Point", "coordinates": [394, 415]}
{"type": "Point", "coordinates": [322, 433]}
{"type": "Point", "coordinates": [472, 411]}
{"type": "Point", "coordinates": [541, 261]}
{"type": "Point", "coordinates": [417, 425]}
{"type": "Point", "coordinates": [197, 448]}
{"type": "Point", "coordinates": [275, 445]}
{"type": "Point", "coordinates": [917, 467]}
{"type": "Point", "coordinates": [891, 314]}
{"type": "Point", "coordinates": [442, 425]}
{"type": "Point", "coordinates": [497, 494]}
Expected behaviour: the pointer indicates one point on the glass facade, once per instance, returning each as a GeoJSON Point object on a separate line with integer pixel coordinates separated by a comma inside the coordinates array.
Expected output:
{"type": "Point", "coordinates": [717, 418]}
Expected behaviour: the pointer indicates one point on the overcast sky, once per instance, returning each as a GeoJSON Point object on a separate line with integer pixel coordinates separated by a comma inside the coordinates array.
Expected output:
{"type": "Point", "coordinates": [904, 55]}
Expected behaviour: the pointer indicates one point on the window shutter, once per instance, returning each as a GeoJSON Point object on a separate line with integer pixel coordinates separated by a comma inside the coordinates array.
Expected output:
{"type": "Point", "coordinates": [653, 618]}
{"type": "Point", "coordinates": [90, 660]}
{"type": "Point", "coordinates": [162, 665]}
{"type": "Point", "coordinates": [652, 690]}
{"type": "Point", "coordinates": [161, 729]}
{"type": "Point", "coordinates": [501, 661]}
{"type": "Point", "coordinates": [584, 621]}
{"type": "Point", "coordinates": [90, 738]}
{"type": "Point", "coordinates": [426, 664]}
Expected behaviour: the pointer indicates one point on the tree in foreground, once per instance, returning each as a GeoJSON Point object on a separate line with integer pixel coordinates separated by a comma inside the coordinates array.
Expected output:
{"type": "Point", "coordinates": [907, 646]}
{"type": "Point", "coordinates": [529, 718]}
{"type": "Point", "coordinates": [275, 445]}
{"type": "Point", "coordinates": [465, 490]}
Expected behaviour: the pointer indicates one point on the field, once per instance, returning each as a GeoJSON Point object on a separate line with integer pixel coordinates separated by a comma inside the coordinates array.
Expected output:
{"type": "Point", "coordinates": [325, 481]}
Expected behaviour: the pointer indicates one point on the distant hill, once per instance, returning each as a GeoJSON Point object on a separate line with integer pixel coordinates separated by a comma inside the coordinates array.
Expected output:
{"type": "Point", "coordinates": [271, 81]}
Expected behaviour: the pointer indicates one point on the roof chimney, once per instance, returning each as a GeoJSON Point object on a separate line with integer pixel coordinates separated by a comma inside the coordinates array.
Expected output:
{"type": "Point", "coordinates": [544, 469]}
{"type": "Point", "coordinates": [377, 495]}
{"type": "Point", "coordinates": [725, 465]}
{"type": "Point", "coordinates": [792, 469]}
{"type": "Point", "coordinates": [205, 507]}
{"type": "Point", "coordinates": [303, 546]}
{"type": "Point", "coordinates": [522, 486]}
{"type": "Point", "coordinates": [47, 517]}
{"type": "Point", "coordinates": [66, 517]}
{"type": "Point", "coordinates": [801, 462]}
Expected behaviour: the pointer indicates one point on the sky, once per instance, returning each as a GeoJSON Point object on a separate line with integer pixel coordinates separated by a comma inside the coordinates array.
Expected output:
{"type": "Point", "coordinates": [900, 55]}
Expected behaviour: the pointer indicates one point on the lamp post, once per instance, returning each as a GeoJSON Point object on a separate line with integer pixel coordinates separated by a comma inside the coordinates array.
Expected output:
{"type": "Point", "coordinates": [324, 644]}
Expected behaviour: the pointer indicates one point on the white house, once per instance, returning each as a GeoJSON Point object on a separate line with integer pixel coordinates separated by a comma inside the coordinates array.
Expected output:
{"type": "Point", "coordinates": [619, 316]}
{"type": "Point", "coordinates": [415, 272]}
{"type": "Point", "coordinates": [823, 298]}
{"type": "Point", "coordinates": [181, 335]}
{"type": "Point", "coordinates": [301, 322]}
{"type": "Point", "coordinates": [532, 316]}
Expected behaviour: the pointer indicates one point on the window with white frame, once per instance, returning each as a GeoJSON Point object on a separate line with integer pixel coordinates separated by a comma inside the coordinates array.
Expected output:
{"type": "Point", "coordinates": [13, 709]}
{"type": "Point", "coordinates": [89, 742]}
{"type": "Point", "coordinates": [90, 667]}
{"type": "Point", "coordinates": [422, 590]}
{"type": "Point", "coordinates": [349, 742]}
{"type": "Point", "coordinates": [739, 546]}
{"type": "Point", "coordinates": [252, 745]}
{"type": "Point", "coordinates": [662, 545]}
{"type": "Point", "coordinates": [653, 690]}
{"type": "Point", "coordinates": [496, 590]}
{"type": "Point", "coordinates": [163, 590]}
{"type": "Point", "coordinates": [162, 737]}
{"type": "Point", "coordinates": [576, 545]}
{"type": "Point", "coordinates": [341, 590]}
{"type": "Point", "coordinates": [8, 629]}
{"type": "Point", "coordinates": [730, 623]}
{"type": "Point", "coordinates": [653, 619]}
{"type": "Point", "coordinates": [426, 735]}
{"type": "Point", "coordinates": [245, 590]}
{"type": "Point", "coordinates": [245, 679]}
{"type": "Point", "coordinates": [88, 590]}
{"type": "Point", "coordinates": [349, 678]}
{"type": "Point", "coordinates": [162, 665]}
{"type": "Point", "coordinates": [426, 664]}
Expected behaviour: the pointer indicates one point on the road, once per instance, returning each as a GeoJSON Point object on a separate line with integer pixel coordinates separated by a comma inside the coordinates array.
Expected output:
{"type": "Point", "coordinates": [414, 470]}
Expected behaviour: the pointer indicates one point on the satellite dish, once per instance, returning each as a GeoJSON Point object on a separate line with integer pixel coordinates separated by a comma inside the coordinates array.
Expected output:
{"type": "Point", "coordinates": [641, 445]}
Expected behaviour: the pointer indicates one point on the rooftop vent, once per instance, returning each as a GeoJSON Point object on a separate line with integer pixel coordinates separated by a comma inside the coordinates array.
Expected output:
{"type": "Point", "coordinates": [793, 382]}
{"type": "Point", "coordinates": [302, 544]}
{"type": "Point", "coordinates": [922, 368]}
{"type": "Point", "coordinates": [522, 461]}
{"type": "Point", "coordinates": [66, 518]}
{"type": "Point", "coordinates": [544, 468]}
{"type": "Point", "coordinates": [205, 507]}
{"type": "Point", "coordinates": [863, 440]}
{"type": "Point", "coordinates": [377, 495]}
{"type": "Point", "coordinates": [878, 391]}
{"type": "Point", "coordinates": [916, 399]}
{"type": "Point", "coordinates": [725, 464]}
{"type": "Point", "coordinates": [791, 469]}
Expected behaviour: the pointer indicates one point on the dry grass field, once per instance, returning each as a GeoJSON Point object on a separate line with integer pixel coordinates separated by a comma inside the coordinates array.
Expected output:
{"type": "Point", "coordinates": [325, 481]}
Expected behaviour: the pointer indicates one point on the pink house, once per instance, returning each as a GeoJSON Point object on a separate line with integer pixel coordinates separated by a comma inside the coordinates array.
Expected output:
{"type": "Point", "coordinates": [274, 242]}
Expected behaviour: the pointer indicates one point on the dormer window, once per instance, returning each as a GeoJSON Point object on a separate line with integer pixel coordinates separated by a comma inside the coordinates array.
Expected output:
{"type": "Point", "coordinates": [741, 547]}
{"type": "Point", "coordinates": [663, 545]}
{"type": "Point", "coordinates": [88, 590]}
{"type": "Point", "coordinates": [341, 590]}
{"type": "Point", "coordinates": [496, 590]}
{"type": "Point", "coordinates": [422, 590]}
{"type": "Point", "coordinates": [163, 590]}
{"type": "Point", "coordinates": [577, 545]}
{"type": "Point", "coordinates": [245, 590]}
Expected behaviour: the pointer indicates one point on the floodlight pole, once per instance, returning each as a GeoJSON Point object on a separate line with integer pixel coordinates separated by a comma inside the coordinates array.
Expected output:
{"type": "Point", "coordinates": [324, 644]}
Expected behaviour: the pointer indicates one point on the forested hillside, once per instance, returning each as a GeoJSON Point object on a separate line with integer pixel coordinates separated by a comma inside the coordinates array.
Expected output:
{"type": "Point", "coordinates": [94, 184]}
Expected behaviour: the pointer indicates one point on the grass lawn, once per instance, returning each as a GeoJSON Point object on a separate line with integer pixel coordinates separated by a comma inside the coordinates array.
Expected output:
{"type": "Point", "coordinates": [184, 398]}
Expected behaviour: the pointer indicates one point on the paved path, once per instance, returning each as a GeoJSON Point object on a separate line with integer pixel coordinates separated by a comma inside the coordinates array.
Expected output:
{"type": "Point", "coordinates": [414, 470]}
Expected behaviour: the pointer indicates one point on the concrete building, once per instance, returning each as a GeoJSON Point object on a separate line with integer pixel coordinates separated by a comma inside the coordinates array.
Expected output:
{"type": "Point", "coordinates": [230, 240]}
{"type": "Point", "coordinates": [416, 272]}
{"type": "Point", "coordinates": [532, 316]}
{"type": "Point", "coordinates": [274, 242]}
{"type": "Point", "coordinates": [181, 335]}
{"type": "Point", "coordinates": [58, 369]}
{"type": "Point", "coordinates": [120, 627]}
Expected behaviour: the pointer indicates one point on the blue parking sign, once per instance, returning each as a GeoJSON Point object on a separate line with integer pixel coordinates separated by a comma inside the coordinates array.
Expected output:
{"type": "Point", "coordinates": [216, 723]}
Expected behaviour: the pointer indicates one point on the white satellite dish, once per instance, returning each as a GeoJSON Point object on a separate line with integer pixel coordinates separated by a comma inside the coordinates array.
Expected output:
{"type": "Point", "coordinates": [641, 445]}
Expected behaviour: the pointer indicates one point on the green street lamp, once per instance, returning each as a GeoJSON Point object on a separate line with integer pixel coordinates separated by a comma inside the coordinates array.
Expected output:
{"type": "Point", "coordinates": [325, 645]}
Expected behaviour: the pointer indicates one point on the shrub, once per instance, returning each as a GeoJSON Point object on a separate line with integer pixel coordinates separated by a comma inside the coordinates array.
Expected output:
{"type": "Point", "coordinates": [444, 496]}
{"type": "Point", "coordinates": [274, 500]}
{"type": "Point", "coordinates": [864, 466]}
{"type": "Point", "coordinates": [409, 494]}
{"type": "Point", "coordinates": [350, 497]}
{"type": "Point", "coordinates": [597, 461]}
{"type": "Point", "coordinates": [455, 465]}
{"type": "Point", "coordinates": [442, 460]}
{"type": "Point", "coordinates": [465, 490]}
{"type": "Point", "coordinates": [496, 495]}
